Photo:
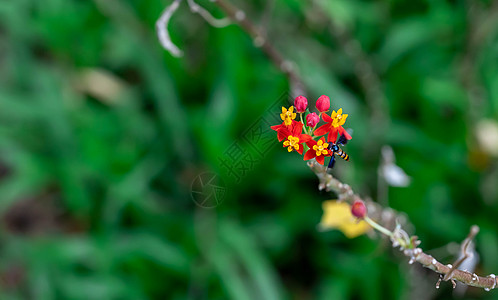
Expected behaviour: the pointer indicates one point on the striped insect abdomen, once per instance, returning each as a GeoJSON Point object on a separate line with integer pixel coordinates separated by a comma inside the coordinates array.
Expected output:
{"type": "Point", "coordinates": [343, 155]}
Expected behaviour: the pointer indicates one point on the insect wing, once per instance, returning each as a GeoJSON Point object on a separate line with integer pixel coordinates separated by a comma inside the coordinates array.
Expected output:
{"type": "Point", "coordinates": [342, 140]}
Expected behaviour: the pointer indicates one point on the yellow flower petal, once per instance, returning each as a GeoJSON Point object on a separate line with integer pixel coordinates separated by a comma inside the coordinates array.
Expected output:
{"type": "Point", "coordinates": [339, 112]}
{"type": "Point", "coordinates": [354, 230]}
{"type": "Point", "coordinates": [283, 115]}
{"type": "Point", "coordinates": [343, 119]}
{"type": "Point", "coordinates": [338, 215]}
{"type": "Point", "coordinates": [288, 115]}
{"type": "Point", "coordinates": [334, 214]}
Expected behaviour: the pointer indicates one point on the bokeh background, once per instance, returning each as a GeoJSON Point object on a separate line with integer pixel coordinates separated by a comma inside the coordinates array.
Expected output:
{"type": "Point", "coordinates": [104, 134]}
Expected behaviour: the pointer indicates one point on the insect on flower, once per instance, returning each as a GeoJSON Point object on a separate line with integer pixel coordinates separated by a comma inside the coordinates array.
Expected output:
{"type": "Point", "coordinates": [336, 150]}
{"type": "Point", "coordinates": [290, 131]}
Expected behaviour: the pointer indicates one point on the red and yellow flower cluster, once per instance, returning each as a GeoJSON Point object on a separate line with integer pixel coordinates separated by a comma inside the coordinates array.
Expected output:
{"type": "Point", "coordinates": [296, 133]}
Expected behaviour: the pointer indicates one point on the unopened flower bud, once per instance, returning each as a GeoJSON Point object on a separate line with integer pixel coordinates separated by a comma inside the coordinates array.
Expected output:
{"type": "Point", "coordinates": [358, 209]}
{"type": "Point", "coordinates": [300, 103]}
{"type": "Point", "coordinates": [312, 119]}
{"type": "Point", "coordinates": [323, 103]}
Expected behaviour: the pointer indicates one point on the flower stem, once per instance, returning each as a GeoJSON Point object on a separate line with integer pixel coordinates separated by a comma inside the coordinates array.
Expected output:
{"type": "Point", "coordinates": [319, 116]}
{"type": "Point", "coordinates": [378, 227]}
{"type": "Point", "coordinates": [305, 127]}
{"type": "Point", "coordinates": [405, 243]}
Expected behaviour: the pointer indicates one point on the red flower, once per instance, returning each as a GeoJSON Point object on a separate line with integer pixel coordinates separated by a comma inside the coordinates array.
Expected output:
{"type": "Point", "coordinates": [317, 150]}
{"type": "Point", "coordinates": [294, 137]}
{"type": "Point", "coordinates": [333, 126]}
{"type": "Point", "coordinates": [278, 128]}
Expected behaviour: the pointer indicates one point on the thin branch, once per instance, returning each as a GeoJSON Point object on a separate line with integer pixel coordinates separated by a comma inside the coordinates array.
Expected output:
{"type": "Point", "coordinates": [363, 68]}
{"type": "Point", "coordinates": [261, 40]}
{"type": "Point", "coordinates": [266, 17]}
{"type": "Point", "coordinates": [162, 29]}
{"type": "Point", "coordinates": [416, 254]}
{"type": "Point", "coordinates": [218, 23]}
{"type": "Point", "coordinates": [239, 17]}
{"type": "Point", "coordinates": [364, 71]}
{"type": "Point", "coordinates": [474, 230]}
{"type": "Point", "coordinates": [163, 21]}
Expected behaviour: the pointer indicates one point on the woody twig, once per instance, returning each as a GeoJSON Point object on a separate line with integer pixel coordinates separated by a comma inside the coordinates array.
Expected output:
{"type": "Point", "coordinates": [409, 246]}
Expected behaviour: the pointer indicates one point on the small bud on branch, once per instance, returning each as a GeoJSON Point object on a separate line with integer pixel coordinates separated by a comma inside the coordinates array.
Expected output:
{"type": "Point", "coordinates": [358, 209]}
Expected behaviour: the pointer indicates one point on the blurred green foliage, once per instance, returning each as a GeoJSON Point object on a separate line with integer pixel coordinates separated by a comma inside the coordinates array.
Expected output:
{"type": "Point", "coordinates": [103, 132]}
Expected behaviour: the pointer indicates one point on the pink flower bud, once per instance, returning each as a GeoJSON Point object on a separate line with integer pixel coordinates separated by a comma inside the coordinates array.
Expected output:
{"type": "Point", "coordinates": [323, 103]}
{"type": "Point", "coordinates": [312, 119]}
{"type": "Point", "coordinates": [300, 103]}
{"type": "Point", "coordinates": [359, 209]}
